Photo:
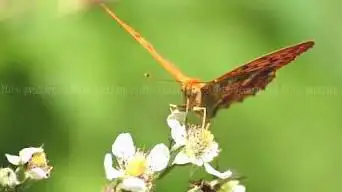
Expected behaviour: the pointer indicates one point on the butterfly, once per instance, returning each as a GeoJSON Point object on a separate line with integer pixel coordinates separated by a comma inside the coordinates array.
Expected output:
{"type": "Point", "coordinates": [206, 98]}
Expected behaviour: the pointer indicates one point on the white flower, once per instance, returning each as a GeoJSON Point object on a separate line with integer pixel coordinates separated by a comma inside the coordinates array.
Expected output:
{"type": "Point", "coordinates": [232, 186]}
{"type": "Point", "coordinates": [198, 144]}
{"type": "Point", "coordinates": [34, 160]}
{"type": "Point", "coordinates": [135, 168]}
{"type": "Point", "coordinates": [8, 178]}
{"type": "Point", "coordinates": [24, 155]}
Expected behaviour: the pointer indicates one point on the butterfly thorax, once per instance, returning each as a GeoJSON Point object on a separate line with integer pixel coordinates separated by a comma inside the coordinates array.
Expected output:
{"type": "Point", "coordinates": [192, 92]}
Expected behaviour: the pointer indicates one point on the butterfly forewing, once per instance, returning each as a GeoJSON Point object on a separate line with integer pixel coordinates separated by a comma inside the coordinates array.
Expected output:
{"type": "Point", "coordinates": [276, 59]}
{"type": "Point", "coordinates": [248, 79]}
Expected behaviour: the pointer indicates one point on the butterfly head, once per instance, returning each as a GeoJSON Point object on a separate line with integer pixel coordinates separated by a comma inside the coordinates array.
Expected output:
{"type": "Point", "coordinates": [189, 87]}
{"type": "Point", "coordinates": [192, 91]}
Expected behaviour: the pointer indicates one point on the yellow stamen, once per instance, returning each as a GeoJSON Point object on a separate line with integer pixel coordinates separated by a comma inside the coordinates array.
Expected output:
{"type": "Point", "coordinates": [137, 165]}
{"type": "Point", "coordinates": [38, 160]}
{"type": "Point", "coordinates": [198, 141]}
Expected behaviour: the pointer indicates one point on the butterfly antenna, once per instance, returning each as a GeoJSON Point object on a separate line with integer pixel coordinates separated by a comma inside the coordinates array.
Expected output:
{"type": "Point", "coordinates": [148, 76]}
{"type": "Point", "coordinates": [170, 67]}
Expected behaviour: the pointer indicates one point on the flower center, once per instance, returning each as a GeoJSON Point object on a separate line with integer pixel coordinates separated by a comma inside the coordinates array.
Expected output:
{"type": "Point", "coordinates": [198, 141]}
{"type": "Point", "coordinates": [137, 165]}
{"type": "Point", "coordinates": [38, 160]}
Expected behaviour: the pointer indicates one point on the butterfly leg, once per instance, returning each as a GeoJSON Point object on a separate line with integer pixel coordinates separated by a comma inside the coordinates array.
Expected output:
{"type": "Point", "coordinates": [173, 107]}
{"type": "Point", "coordinates": [204, 111]}
{"type": "Point", "coordinates": [187, 105]}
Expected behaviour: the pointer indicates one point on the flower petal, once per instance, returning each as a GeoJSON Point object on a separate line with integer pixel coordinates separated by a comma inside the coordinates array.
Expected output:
{"type": "Point", "coordinates": [26, 153]}
{"type": "Point", "coordinates": [176, 118]}
{"type": "Point", "coordinates": [198, 162]}
{"type": "Point", "coordinates": [178, 134]}
{"type": "Point", "coordinates": [233, 186]}
{"type": "Point", "coordinates": [239, 188]}
{"type": "Point", "coordinates": [134, 184]}
{"type": "Point", "coordinates": [111, 173]}
{"type": "Point", "coordinates": [38, 173]}
{"type": "Point", "coordinates": [212, 152]}
{"type": "Point", "coordinates": [158, 158]}
{"type": "Point", "coordinates": [181, 158]}
{"type": "Point", "coordinates": [209, 169]}
{"type": "Point", "coordinates": [13, 159]}
{"type": "Point", "coordinates": [123, 146]}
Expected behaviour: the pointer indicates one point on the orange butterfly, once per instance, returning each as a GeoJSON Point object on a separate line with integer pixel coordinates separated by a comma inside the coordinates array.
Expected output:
{"type": "Point", "coordinates": [206, 98]}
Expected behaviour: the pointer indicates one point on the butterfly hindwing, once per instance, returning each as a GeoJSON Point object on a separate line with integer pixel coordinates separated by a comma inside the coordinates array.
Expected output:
{"type": "Point", "coordinates": [248, 79]}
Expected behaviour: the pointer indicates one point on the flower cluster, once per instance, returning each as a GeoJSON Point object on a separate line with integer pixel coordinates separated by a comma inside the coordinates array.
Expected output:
{"type": "Point", "coordinates": [135, 170]}
{"type": "Point", "coordinates": [131, 169]}
{"type": "Point", "coordinates": [30, 164]}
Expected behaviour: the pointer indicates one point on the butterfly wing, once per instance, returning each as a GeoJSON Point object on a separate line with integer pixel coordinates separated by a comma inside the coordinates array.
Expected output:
{"type": "Point", "coordinates": [248, 79]}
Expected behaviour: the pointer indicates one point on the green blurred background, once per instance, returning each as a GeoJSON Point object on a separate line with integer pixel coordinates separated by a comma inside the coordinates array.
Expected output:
{"type": "Point", "coordinates": [72, 79]}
